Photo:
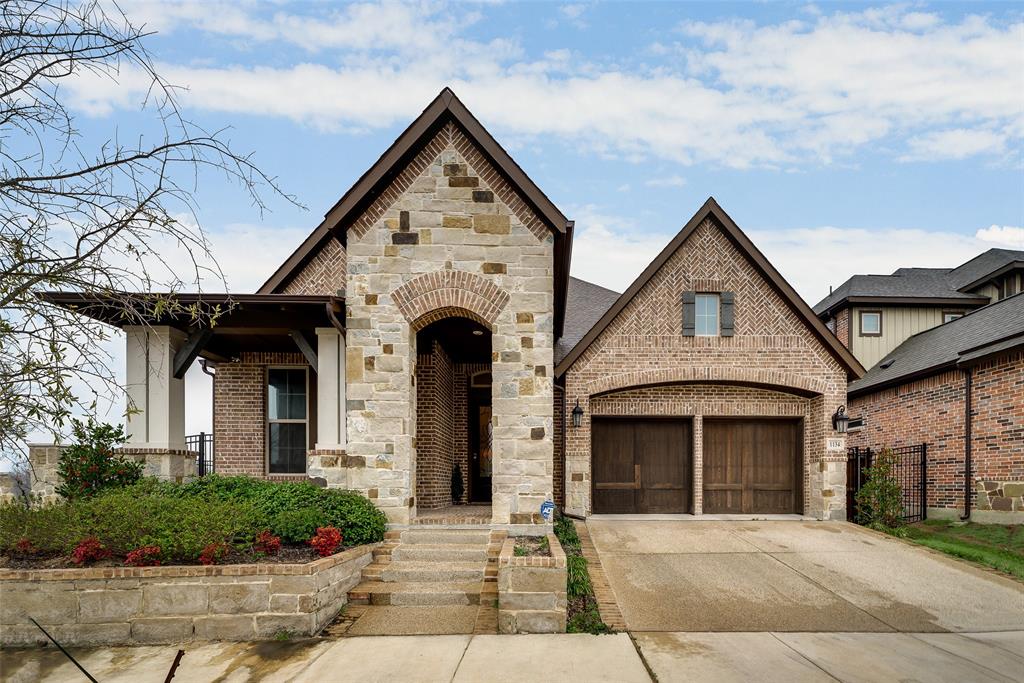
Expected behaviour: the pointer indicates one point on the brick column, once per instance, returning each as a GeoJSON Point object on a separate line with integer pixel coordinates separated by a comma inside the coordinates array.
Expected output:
{"type": "Point", "coordinates": [698, 464]}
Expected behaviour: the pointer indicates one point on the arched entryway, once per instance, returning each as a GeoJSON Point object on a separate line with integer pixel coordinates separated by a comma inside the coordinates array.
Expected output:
{"type": "Point", "coordinates": [453, 411]}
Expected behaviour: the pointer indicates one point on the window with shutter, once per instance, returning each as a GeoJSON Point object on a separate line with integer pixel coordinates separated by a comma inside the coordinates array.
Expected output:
{"type": "Point", "coordinates": [689, 314]}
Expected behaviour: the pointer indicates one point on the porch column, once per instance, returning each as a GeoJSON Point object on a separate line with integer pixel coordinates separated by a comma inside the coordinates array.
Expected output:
{"type": "Point", "coordinates": [156, 398]}
{"type": "Point", "coordinates": [330, 390]}
{"type": "Point", "coordinates": [698, 464]}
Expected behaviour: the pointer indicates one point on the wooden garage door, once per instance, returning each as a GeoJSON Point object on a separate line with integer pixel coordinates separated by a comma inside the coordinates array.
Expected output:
{"type": "Point", "coordinates": [641, 465]}
{"type": "Point", "coordinates": [752, 466]}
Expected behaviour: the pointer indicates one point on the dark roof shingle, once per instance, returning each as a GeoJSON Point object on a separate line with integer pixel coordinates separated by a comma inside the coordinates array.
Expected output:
{"type": "Point", "coordinates": [584, 306]}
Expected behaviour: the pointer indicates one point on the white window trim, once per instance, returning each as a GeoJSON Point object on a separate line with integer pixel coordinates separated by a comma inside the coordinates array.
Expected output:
{"type": "Point", "coordinates": [267, 421]}
{"type": "Point", "coordinates": [718, 314]}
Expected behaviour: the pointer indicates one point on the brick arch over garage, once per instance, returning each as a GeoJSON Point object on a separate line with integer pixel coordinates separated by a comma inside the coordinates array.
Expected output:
{"type": "Point", "coordinates": [446, 293]}
{"type": "Point", "coordinates": [771, 379]}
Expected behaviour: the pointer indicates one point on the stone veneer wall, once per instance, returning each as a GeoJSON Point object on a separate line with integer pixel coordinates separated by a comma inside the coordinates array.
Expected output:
{"type": "Point", "coordinates": [435, 388]}
{"type": "Point", "coordinates": [138, 605]}
{"type": "Point", "coordinates": [450, 237]}
{"type": "Point", "coordinates": [532, 591]}
{"type": "Point", "coordinates": [239, 411]}
{"type": "Point", "coordinates": [772, 347]}
{"type": "Point", "coordinates": [931, 410]}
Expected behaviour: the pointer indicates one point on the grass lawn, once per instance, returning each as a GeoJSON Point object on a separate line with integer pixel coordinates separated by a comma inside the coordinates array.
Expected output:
{"type": "Point", "coordinates": [997, 546]}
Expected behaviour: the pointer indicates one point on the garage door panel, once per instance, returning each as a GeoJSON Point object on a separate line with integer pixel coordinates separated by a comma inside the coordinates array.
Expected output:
{"type": "Point", "coordinates": [641, 465]}
{"type": "Point", "coordinates": [751, 466]}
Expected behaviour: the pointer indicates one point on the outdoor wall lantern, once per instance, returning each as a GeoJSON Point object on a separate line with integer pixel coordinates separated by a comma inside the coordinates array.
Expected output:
{"type": "Point", "coordinates": [840, 420]}
{"type": "Point", "coordinates": [577, 415]}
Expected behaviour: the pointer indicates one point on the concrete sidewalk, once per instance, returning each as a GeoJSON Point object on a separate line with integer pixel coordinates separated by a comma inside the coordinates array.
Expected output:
{"type": "Point", "coordinates": [410, 659]}
{"type": "Point", "coordinates": [784, 657]}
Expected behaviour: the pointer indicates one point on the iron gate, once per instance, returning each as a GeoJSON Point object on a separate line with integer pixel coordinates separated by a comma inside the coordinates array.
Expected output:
{"type": "Point", "coordinates": [911, 472]}
{"type": "Point", "coordinates": [202, 443]}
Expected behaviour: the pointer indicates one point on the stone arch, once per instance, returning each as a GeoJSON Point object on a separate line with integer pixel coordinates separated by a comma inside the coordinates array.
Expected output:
{"type": "Point", "coordinates": [448, 293]}
{"type": "Point", "coordinates": [771, 379]}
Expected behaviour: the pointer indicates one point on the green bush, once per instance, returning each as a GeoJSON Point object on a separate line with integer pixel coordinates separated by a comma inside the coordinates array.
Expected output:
{"type": "Point", "coordinates": [52, 529]}
{"type": "Point", "coordinates": [578, 581]}
{"type": "Point", "coordinates": [359, 520]}
{"type": "Point", "coordinates": [297, 526]}
{"type": "Point", "coordinates": [90, 465]}
{"type": "Point", "coordinates": [880, 499]}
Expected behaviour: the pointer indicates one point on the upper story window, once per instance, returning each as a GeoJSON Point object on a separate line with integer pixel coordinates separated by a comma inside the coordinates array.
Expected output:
{"type": "Point", "coordinates": [287, 420]}
{"type": "Point", "coordinates": [870, 323]}
{"type": "Point", "coordinates": [706, 315]}
{"type": "Point", "coordinates": [950, 316]}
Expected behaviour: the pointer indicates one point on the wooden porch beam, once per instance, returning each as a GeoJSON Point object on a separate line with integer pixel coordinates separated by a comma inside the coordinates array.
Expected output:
{"type": "Point", "coordinates": [190, 350]}
{"type": "Point", "coordinates": [305, 345]}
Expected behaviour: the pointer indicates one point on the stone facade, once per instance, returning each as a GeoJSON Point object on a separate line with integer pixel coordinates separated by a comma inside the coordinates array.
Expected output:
{"type": "Point", "coordinates": [772, 348]}
{"type": "Point", "coordinates": [532, 595]}
{"type": "Point", "coordinates": [450, 237]}
{"type": "Point", "coordinates": [931, 410]}
{"type": "Point", "coordinates": [240, 411]}
{"type": "Point", "coordinates": [136, 605]}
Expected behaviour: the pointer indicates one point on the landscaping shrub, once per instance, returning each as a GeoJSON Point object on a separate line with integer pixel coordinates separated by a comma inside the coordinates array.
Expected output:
{"type": "Point", "coordinates": [358, 519]}
{"type": "Point", "coordinates": [90, 465]}
{"type": "Point", "coordinates": [267, 543]}
{"type": "Point", "coordinates": [146, 556]}
{"type": "Point", "coordinates": [326, 541]}
{"type": "Point", "coordinates": [51, 529]}
{"type": "Point", "coordinates": [298, 526]}
{"type": "Point", "coordinates": [88, 550]}
{"type": "Point", "coordinates": [880, 499]}
{"type": "Point", "coordinates": [578, 583]}
{"type": "Point", "coordinates": [213, 553]}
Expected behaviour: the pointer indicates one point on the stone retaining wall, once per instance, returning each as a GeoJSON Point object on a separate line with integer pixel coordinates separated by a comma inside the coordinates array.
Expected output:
{"type": "Point", "coordinates": [173, 604]}
{"type": "Point", "coordinates": [532, 594]}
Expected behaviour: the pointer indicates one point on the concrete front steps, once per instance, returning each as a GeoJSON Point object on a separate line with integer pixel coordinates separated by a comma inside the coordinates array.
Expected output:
{"type": "Point", "coordinates": [427, 580]}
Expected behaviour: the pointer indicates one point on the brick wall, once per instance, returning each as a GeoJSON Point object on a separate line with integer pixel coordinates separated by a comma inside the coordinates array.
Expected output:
{"type": "Point", "coordinates": [239, 411]}
{"type": "Point", "coordinates": [772, 347]}
{"type": "Point", "coordinates": [435, 410]}
{"type": "Point", "coordinates": [463, 376]}
{"type": "Point", "coordinates": [323, 274]}
{"type": "Point", "coordinates": [931, 410]}
{"type": "Point", "coordinates": [559, 439]}
{"type": "Point", "coordinates": [841, 324]}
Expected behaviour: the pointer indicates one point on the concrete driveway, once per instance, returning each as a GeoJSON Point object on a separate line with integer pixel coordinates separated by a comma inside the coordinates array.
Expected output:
{"type": "Point", "coordinates": [794, 577]}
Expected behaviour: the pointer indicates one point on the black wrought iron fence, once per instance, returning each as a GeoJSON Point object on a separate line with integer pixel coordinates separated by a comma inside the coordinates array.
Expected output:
{"type": "Point", "coordinates": [911, 472]}
{"type": "Point", "coordinates": [202, 443]}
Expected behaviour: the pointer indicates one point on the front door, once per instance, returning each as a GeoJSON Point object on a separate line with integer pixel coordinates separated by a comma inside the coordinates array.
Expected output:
{"type": "Point", "coordinates": [480, 453]}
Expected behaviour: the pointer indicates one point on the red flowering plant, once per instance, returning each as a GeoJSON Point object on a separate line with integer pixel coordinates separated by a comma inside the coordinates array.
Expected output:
{"type": "Point", "coordinates": [213, 553]}
{"type": "Point", "coordinates": [90, 464]}
{"type": "Point", "coordinates": [267, 543]}
{"type": "Point", "coordinates": [146, 556]}
{"type": "Point", "coordinates": [89, 549]}
{"type": "Point", "coordinates": [24, 547]}
{"type": "Point", "coordinates": [326, 541]}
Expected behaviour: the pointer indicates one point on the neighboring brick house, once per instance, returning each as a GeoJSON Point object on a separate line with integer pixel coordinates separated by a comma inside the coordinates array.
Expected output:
{"type": "Point", "coordinates": [429, 327]}
{"type": "Point", "coordinates": [959, 388]}
{"type": "Point", "coordinates": [873, 314]}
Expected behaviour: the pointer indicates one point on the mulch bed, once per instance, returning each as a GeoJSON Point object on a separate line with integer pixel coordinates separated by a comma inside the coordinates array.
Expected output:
{"type": "Point", "coordinates": [530, 546]}
{"type": "Point", "coordinates": [294, 554]}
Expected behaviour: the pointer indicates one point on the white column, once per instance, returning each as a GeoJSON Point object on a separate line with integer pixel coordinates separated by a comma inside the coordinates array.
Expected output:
{"type": "Point", "coordinates": [330, 389]}
{"type": "Point", "coordinates": [156, 398]}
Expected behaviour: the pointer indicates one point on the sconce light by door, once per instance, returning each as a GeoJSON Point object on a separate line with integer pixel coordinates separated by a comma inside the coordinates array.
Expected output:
{"type": "Point", "coordinates": [840, 420]}
{"type": "Point", "coordinates": [577, 415]}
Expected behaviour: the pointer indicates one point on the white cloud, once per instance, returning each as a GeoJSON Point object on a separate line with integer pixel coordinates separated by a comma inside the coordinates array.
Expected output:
{"type": "Point", "coordinates": [666, 181]}
{"type": "Point", "coordinates": [958, 143]}
{"type": "Point", "coordinates": [1002, 236]}
{"type": "Point", "coordinates": [727, 92]}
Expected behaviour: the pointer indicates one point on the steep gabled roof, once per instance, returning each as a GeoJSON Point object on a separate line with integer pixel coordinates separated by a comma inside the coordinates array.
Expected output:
{"type": "Point", "coordinates": [984, 266]}
{"type": "Point", "coordinates": [982, 332]}
{"type": "Point", "coordinates": [711, 209]}
{"type": "Point", "coordinates": [445, 108]}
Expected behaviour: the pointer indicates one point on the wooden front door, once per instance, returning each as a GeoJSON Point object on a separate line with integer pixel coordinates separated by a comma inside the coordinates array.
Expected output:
{"type": "Point", "coordinates": [481, 458]}
{"type": "Point", "coordinates": [752, 466]}
{"type": "Point", "coordinates": [641, 465]}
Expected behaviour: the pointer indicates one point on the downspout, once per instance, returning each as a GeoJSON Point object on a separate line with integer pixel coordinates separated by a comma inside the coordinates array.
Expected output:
{"type": "Point", "coordinates": [967, 445]}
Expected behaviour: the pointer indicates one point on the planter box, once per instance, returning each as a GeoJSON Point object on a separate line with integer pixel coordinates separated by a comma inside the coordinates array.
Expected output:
{"type": "Point", "coordinates": [531, 590]}
{"type": "Point", "coordinates": [131, 605]}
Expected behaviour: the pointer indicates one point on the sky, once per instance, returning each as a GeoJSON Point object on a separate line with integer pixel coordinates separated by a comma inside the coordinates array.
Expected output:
{"type": "Point", "coordinates": [842, 138]}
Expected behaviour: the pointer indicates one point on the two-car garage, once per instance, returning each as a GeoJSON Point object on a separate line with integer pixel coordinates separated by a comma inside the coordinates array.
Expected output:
{"type": "Point", "coordinates": [646, 465]}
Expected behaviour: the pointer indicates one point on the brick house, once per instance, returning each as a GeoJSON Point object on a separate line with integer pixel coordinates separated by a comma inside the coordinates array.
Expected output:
{"type": "Point", "coordinates": [959, 388]}
{"type": "Point", "coordinates": [427, 337]}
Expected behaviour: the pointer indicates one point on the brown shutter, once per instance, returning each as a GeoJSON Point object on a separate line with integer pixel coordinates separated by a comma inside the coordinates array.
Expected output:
{"type": "Point", "coordinates": [728, 316]}
{"type": "Point", "coordinates": [689, 314]}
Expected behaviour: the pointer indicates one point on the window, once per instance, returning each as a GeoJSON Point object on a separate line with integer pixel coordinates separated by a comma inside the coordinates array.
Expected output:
{"type": "Point", "coordinates": [871, 323]}
{"type": "Point", "coordinates": [706, 315]}
{"type": "Point", "coordinates": [287, 420]}
{"type": "Point", "coordinates": [855, 424]}
{"type": "Point", "coordinates": [949, 316]}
